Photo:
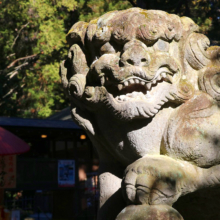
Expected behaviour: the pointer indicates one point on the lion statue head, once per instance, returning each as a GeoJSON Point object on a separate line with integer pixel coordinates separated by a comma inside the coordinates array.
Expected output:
{"type": "Point", "coordinates": [127, 71]}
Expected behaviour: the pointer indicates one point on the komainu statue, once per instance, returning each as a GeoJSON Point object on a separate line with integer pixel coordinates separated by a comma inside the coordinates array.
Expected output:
{"type": "Point", "coordinates": [145, 86]}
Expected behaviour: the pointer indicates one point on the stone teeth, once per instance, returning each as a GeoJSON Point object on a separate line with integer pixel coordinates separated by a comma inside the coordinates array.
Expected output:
{"type": "Point", "coordinates": [120, 87]}
{"type": "Point", "coordinates": [170, 79]}
{"type": "Point", "coordinates": [135, 93]}
{"type": "Point", "coordinates": [154, 82]}
{"type": "Point", "coordinates": [129, 95]}
{"type": "Point", "coordinates": [159, 77]}
{"type": "Point", "coordinates": [165, 99]}
{"type": "Point", "coordinates": [102, 80]}
{"type": "Point", "coordinates": [126, 83]}
{"type": "Point", "coordinates": [148, 112]}
{"type": "Point", "coordinates": [142, 112]}
{"type": "Point", "coordinates": [148, 85]}
{"type": "Point", "coordinates": [170, 97]}
{"type": "Point", "coordinates": [161, 102]}
{"type": "Point", "coordinates": [163, 75]}
{"type": "Point", "coordinates": [137, 81]}
{"type": "Point", "coordinates": [122, 97]}
{"type": "Point", "coordinates": [131, 81]}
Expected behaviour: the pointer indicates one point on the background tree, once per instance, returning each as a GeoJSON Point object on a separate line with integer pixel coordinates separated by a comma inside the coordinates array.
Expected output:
{"type": "Point", "coordinates": [32, 42]}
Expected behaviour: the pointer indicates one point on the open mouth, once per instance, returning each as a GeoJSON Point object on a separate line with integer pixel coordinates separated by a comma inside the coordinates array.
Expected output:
{"type": "Point", "coordinates": [139, 89]}
{"type": "Point", "coordinates": [135, 88]}
{"type": "Point", "coordinates": [137, 104]}
{"type": "Point", "coordinates": [137, 92]}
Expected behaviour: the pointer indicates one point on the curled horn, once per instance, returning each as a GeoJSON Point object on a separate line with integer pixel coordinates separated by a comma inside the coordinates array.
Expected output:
{"type": "Point", "coordinates": [209, 81]}
{"type": "Point", "coordinates": [73, 71]}
{"type": "Point", "coordinates": [77, 60]}
{"type": "Point", "coordinates": [196, 50]}
{"type": "Point", "coordinates": [78, 70]}
{"type": "Point", "coordinates": [63, 75]}
{"type": "Point", "coordinates": [77, 85]}
{"type": "Point", "coordinates": [183, 91]}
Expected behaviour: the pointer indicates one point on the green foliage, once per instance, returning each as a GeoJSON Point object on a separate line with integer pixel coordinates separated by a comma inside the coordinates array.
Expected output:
{"type": "Point", "coordinates": [34, 29]}
{"type": "Point", "coordinates": [207, 15]}
{"type": "Point", "coordinates": [94, 8]}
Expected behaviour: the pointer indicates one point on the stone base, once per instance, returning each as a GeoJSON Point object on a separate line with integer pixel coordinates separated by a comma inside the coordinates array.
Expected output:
{"type": "Point", "coordinates": [146, 212]}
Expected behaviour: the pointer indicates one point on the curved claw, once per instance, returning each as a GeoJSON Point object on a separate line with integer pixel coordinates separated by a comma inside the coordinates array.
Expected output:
{"type": "Point", "coordinates": [77, 85]}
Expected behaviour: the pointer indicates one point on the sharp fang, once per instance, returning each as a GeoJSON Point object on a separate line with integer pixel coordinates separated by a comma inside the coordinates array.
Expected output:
{"type": "Point", "coordinates": [148, 112]}
{"type": "Point", "coordinates": [154, 82]}
{"type": "Point", "coordinates": [120, 87]}
{"type": "Point", "coordinates": [170, 97]}
{"type": "Point", "coordinates": [102, 80]}
{"type": "Point", "coordinates": [163, 75]}
{"type": "Point", "coordinates": [121, 97]}
{"type": "Point", "coordinates": [148, 86]}
{"type": "Point", "coordinates": [142, 112]}
{"type": "Point", "coordinates": [126, 83]}
{"type": "Point", "coordinates": [161, 102]}
{"type": "Point", "coordinates": [131, 81]}
{"type": "Point", "coordinates": [159, 77]}
{"type": "Point", "coordinates": [164, 99]}
{"type": "Point", "coordinates": [170, 79]}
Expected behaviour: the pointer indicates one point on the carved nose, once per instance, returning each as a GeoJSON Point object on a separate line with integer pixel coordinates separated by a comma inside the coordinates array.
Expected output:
{"type": "Point", "coordinates": [135, 56]}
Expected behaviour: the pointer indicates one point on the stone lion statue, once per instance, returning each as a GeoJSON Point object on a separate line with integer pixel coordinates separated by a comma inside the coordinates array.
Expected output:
{"type": "Point", "coordinates": [145, 86]}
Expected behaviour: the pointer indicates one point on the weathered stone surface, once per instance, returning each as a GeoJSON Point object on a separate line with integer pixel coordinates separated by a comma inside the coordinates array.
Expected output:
{"type": "Point", "coordinates": [145, 86]}
{"type": "Point", "coordinates": [146, 212]}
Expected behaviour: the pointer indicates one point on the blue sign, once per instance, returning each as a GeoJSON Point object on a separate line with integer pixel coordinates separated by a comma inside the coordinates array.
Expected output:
{"type": "Point", "coordinates": [66, 173]}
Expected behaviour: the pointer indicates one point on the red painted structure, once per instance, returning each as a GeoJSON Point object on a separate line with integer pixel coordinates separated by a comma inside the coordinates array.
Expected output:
{"type": "Point", "coordinates": [10, 144]}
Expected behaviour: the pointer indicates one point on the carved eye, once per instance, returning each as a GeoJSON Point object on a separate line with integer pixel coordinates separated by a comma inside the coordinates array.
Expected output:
{"type": "Point", "coordinates": [161, 45]}
{"type": "Point", "coordinates": [107, 48]}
